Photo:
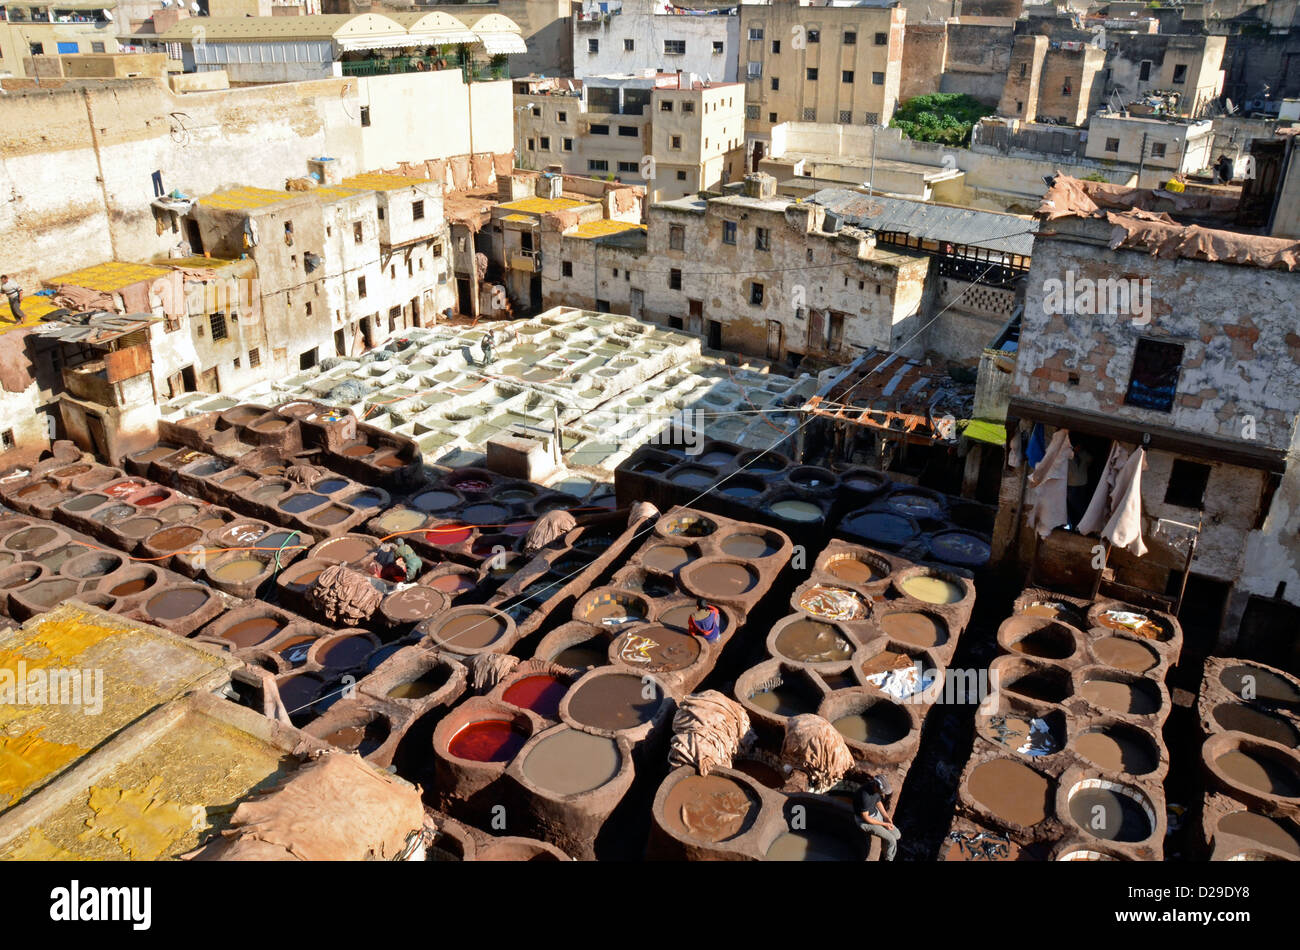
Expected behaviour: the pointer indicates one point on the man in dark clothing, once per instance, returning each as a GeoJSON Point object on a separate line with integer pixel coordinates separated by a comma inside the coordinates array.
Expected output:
{"type": "Point", "coordinates": [706, 622]}
{"type": "Point", "coordinates": [873, 816]}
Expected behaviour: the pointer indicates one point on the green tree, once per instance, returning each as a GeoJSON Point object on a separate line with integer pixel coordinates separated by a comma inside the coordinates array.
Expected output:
{"type": "Point", "coordinates": [944, 117]}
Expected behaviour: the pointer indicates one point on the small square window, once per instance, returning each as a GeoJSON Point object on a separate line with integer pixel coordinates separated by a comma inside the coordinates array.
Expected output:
{"type": "Point", "coordinates": [776, 83]}
{"type": "Point", "coordinates": [628, 131]}
{"type": "Point", "coordinates": [681, 176]}
{"type": "Point", "coordinates": [561, 117]}
{"type": "Point", "coordinates": [1112, 145]}
{"type": "Point", "coordinates": [1153, 381]}
{"type": "Point", "coordinates": [755, 32]}
{"type": "Point", "coordinates": [814, 36]}
{"type": "Point", "coordinates": [846, 116]}
{"type": "Point", "coordinates": [7, 439]}
{"type": "Point", "coordinates": [235, 362]}
{"type": "Point", "coordinates": [717, 47]}
{"type": "Point", "coordinates": [850, 38]}
{"type": "Point", "coordinates": [600, 129]}
{"type": "Point", "coordinates": [630, 167]}
{"type": "Point", "coordinates": [537, 112]}
{"type": "Point", "coordinates": [97, 47]}
{"type": "Point", "coordinates": [776, 46]}
{"type": "Point", "coordinates": [812, 73]}
{"type": "Point", "coordinates": [846, 75]}
{"type": "Point", "coordinates": [877, 79]}
{"type": "Point", "coordinates": [361, 286]}
{"type": "Point", "coordinates": [566, 268]}
{"type": "Point", "coordinates": [1187, 483]}
{"type": "Point", "coordinates": [688, 107]}
{"type": "Point", "coordinates": [674, 279]}
{"type": "Point", "coordinates": [666, 105]}
{"type": "Point", "coordinates": [365, 116]}
{"type": "Point", "coordinates": [1157, 149]}
{"type": "Point", "coordinates": [417, 210]}
{"type": "Point", "coordinates": [771, 117]}
{"type": "Point", "coordinates": [593, 46]}
{"type": "Point", "coordinates": [567, 145]}
{"type": "Point", "coordinates": [728, 232]}
{"type": "Point", "coordinates": [751, 112]}
{"type": "Point", "coordinates": [674, 47]}
{"type": "Point", "coordinates": [753, 70]}
{"type": "Point", "coordinates": [882, 39]}
{"type": "Point", "coordinates": [545, 143]}
{"type": "Point", "coordinates": [532, 145]}
{"type": "Point", "coordinates": [675, 141]}
{"type": "Point", "coordinates": [356, 232]}
{"type": "Point", "coordinates": [762, 239]}
{"type": "Point", "coordinates": [629, 45]}
{"type": "Point", "coordinates": [756, 294]}
{"type": "Point", "coordinates": [1180, 74]}
{"type": "Point", "coordinates": [810, 115]}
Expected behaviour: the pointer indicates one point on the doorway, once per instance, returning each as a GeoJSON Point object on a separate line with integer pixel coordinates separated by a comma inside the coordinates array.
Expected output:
{"type": "Point", "coordinates": [774, 339]}
{"type": "Point", "coordinates": [715, 335]}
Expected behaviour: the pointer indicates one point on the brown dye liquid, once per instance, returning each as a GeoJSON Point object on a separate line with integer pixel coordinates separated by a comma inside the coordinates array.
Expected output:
{"type": "Point", "coordinates": [748, 546]}
{"type": "Point", "coordinates": [1124, 654]}
{"type": "Point", "coordinates": [30, 538]}
{"type": "Point", "coordinates": [880, 725]}
{"type": "Point", "coordinates": [345, 653]}
{"type": "Point", "coordinates": [238, 482]}
{"type": "Point", "coordinates": [809, 641]}
{"type": "Point", "coordinates": [303, 580]}
{"type": "Point", "coordinates": [426, 685]}
{"type": "Point", "coordinates": [173, 539]}
{"type": "Point", "coordinates": [1010, 790]}
{"type": "Point", "coordinates": [1113, 751]}
{"type": "Point", "coordinates": [414, 603]}
{"type": "Point", "coordinates": [252, 631]}
{"type": "Point", "coordinates": [452, 583]}
{"type": "Point", "coordinates": [471, 631]}
{"type": "Point", "coordinates": [658, 649]}
{"type": "Point", "coordinates": [886, 660]}
{"type": "Point", "coordinates": [810, 846]}
{"type": "Point", "coordinates": [139, 527]}
{"type": "Point", "coordinates": [360, 739]}
{"type": "Point", "coordinates": [330, 515]}
{"type": "Point", "coordinates": [581, 656]}
{"type": "Point", "coordinates": [571, 762]}
{"type": "Point", "coordinates": [854, 571]}
{"type": "Point", "coordinates": [665, 557]}
{"type": "Point", "coordinates": [1120, 697]}
{"type": "Point", "coordinates": [238, 571]}
{"type": "Point", "coordinates": [1256, 723]}
{"type": "Point", "coordinates": [614, 610]}
{"type": "Point", "coordinates": [357, 451]}
{"type": "Point", "coordinates": [917, 629]}
{"type": "Point", "coordinates": [724, 580]}
{"type": "Point", "coordinates": [1261, 774]}
{"type": "Point", "coordinates": [1109, 815]}
{"type": "Point", "coordinates": [174, 604]}
{"type": "Point", "coordinates": [389, 461]}
{"type": "Point", "coordinates": [1261, 684]}
{"type": "Point", "coordinates": [785, 700]}
{"type": "Point", "coordinates": [347, 550]}
{"type": "Point", "coordinates": [176, 513]}
{"type": "Point", "coordinates": [127, 588]}
{"type": "Point", "coordinates": [1266, 831]}
{"type": "Point", "coordinates": [709, 807]}
{"type": "Point", "coordinates": [616, 701]}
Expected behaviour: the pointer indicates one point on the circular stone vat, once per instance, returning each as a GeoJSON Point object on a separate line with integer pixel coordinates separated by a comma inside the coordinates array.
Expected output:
{"type": "Point", "coordinates": [488, 740]}
{"type": "Point", "coordinates": [31, 539]}
{"type": "Point", "coordinates": [1111, 811]}
{"type": "Point", "coordinates": [436, 500]}
{"type": "Point", "coordinates": [344, 652]}
{"type": "Point", "coordinates": [915, 628]}
{"type": "Point", "coordinates": [1011, 791]}
{"type": "Point", "coordinates": [685, 526]}
{"type": "Point", "coordinates": [175, 538]}
{"type": "Point", "coordinates": [1238, 718]}
{"type": "Point", "coordinates": [449, 534]}
{"type": "Point", "coordinates": [1278, 834]}
{"type": "Point", "coordinates": [93, 564]}
{"type": "Point", "coordinates": [763, 462]}
{"type": "Point", "coordinates": [834, 603]}
{"type": "Point", "coordinates": [1124, 653]}
{"type": "Point", "coordinates": [347, 549]}
{"type": "Point", "coordinates": [413, 604]}
{"type": "Point", "coordinates": [811, 641]}
{"type": "Point", "coordinates": [19, 574]}
{"type": "Point", "coordinates": [112, 515]}
{"type": "Point", "coordinates": [1262, 769]}
{"type": "Point", "coordinates": [541, 694]}
{"type": "Point", "coordinates": [1036, 637]}
{"type": "Point", "coordinates": [180, 512]}
{"type": "Point", "coordinates": [611, 608]}
{"type": "Point", "coordinates": [712, 808]}
{"type": "Point", "coordinates": [1120, 692]}
{"type": "Point", "coordinates": [251, 631]}
{"type": "Point", "coordinates": [49, 593]}
{"type": "Point", "coordinates": [858, 567]}
{"type": "Point", "coordinates": [885, 528]}
{"type": "Point", "coordinates": [787, 694]}
{"type": "Point", "coordinates": [750, 545]}
{"type": "Point", "coordinates": [714, 577]}
{"type": "Point", "coordinates": [656, 649]}
{"type": "Point", "coordinates": [361, 732]}
{"type": "Point", "coordinates": [916, 503]}
{"type": "Point", "coordinates": [613, 701]}
{"type": "Point", "coordinates": [453, 582]}
{"type": "Point", "coordinates": [1253, 683]}
{"type": "Point", "coordinates": [297, 503]}
{"type": "Point", "coordinates": [132, 581]}
{"type": "Point", "coordinates": [961, 548]}
{"type": "Point", "coordinates": [1052, 610]}
{"type": "Point", "coordinates": [1047, 684]}
{"type": "Point", "coordinates": [177, 602]}
{"type": "Point", "coordinates": [302, 696]}
{"type": "Point", "coordinates": [812, 478]}
{"type": "Point", "coordinates": [426, 684]}
{"type": "Point", "coordinates": [83, 503]}
{"type": "Point", "coordinates": [584, 655]}
{"type": "Point", "coordinates": [872, 721]}
{"type": "Point", "coordinates": [666, 558]}
{"type": "Point", "coordinates": [930, 587]}
{"type": "Point", "coordinates": [694, 476]}
{"type": "Point", "coordinates": [367, 498]}
{"type": "Point", "coordinates": [796, 510]}
{"type": "Point", "coordinates": [468, 629]}
{"type": "Point", "coordinates": [568, 761]}
{"type": "Point", "coordinates": [742, 486]}
{"type": "Point", "coordinates": [1012, 727]}
{"type": "Point", "coordinates": [1118, 747]}
{"type": "Point", "coordinates": [485, 514]}
{"type": "Point", "coordinates": [238, 570]}
{"type": "Point", "coordinates": [1136, 622]}
{"type": "Point", "coordinates": [471, 482]}
{"type": "Point", "coordinates": [138, 528]}
{"type": "Point", "coordinates": [398, 520]}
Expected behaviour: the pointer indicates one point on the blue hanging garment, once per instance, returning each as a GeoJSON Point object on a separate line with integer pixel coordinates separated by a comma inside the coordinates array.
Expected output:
{"type": "Point", "coordinates": [1037, 446]}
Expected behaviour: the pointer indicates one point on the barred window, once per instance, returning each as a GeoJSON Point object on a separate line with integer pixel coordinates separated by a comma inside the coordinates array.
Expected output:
{"type": "Point", "coordinates": [810, 115]}
{"type": "Point", "coordinates": [871, 118]}
{"type": "Point", "coordinates": [254, 358]}
{"type": "Point", "coordinates": [751, 112]}
{"type": "Point", "coordinates": [845, 116]}
{"type": "Point", "coordinates": [218, 323]}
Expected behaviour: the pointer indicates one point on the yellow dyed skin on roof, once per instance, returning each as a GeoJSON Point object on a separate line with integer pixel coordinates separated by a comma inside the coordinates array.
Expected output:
{"type": "Point", "coordinates": [109, 277]}
{"type": "Point", "coordinates": [139, 820]}
{"type": "Point", "coordinates": [253, 199]}
{"type": "Point", "coordinates": [535, 205]}
{"type": "Point", "coordinates": [378, 181]}
{"type": "Point", "coordinates": [604, 228]}
{"type": "Point", "coordinates": [26, 760]}
{"type": "Point", "coordinates": [33, 309]}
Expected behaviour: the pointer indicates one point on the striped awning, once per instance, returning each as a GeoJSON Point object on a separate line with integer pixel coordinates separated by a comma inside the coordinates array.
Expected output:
{"type": "Point", "coordinates": [378, 42]}
{"type": "Point", "coordinates": [443, 38]}
{"type": "Point", "coordinates": [498, 43]}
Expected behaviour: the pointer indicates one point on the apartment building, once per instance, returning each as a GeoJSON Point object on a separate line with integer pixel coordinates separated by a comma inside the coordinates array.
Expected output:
{"type": "Point", "coordinates": [1158, 147]}
{"type": "Point", "coordinates": [840, 64]}
{"type": "Point", "coordinates": [673, 133]}
{"type": "Point", "coordinates": [30, 30]}
{"type": "Point", "coordinates": [649, 34]}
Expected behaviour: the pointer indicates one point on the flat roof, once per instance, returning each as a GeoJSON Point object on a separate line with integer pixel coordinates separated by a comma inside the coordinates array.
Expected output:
{"type": "Point", "coordinates": [381, 181]}
{"type": "Point", "coordinates": [250, 198]}
{"type": "Point", "coordinates": [535, 205]}
{"type": "Point", "coordinates": [603, 228]}
{"type": "Point", "coordinates": [109, 277]}
{"type": "Point", "coordinates": [1008, 233]}
{"type": "Point", "coordinates": [316, 27]}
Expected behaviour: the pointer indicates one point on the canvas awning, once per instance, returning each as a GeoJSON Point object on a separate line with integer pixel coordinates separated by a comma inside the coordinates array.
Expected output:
{"type": "Point", "coordinates": [499, 43]}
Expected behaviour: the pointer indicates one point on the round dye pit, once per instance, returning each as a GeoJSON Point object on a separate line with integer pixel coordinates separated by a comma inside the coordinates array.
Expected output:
{"type": "Point", "coordinates": [932, 589]}
{"type": "Point", "coordinates": [570, 762]}
{"type": "Point", "coordinates": [364, 500]}
{"type": "Point", "coordinates": [721, 579]}
{"type": "Point", "coordinates": [613, 610]}
{"type": "Point", "coordinates": [666, 558]}
{"type": "Point", "coordinates": [485, 514]}
{"type": "Point", "coordinates": [834, 603]}
{"type": "Point", "coordinates": [1131, 622]}
{"type": "Point", "coordinates": [1281, 835]}
{"type": "Point", "coordinates": [238, 571]}
{"type": "Point", "coordinates": [1111, 811]}
{"type": "Point", "coordinates": [1132, 696]}
{"type": "Point", "coordinates": [686, 526]}
{"type": "Point", "coordinates": [880, 724]}
{"type": "Point", "coordinates": [361, 738]}
{"type": "Point", "coordinates": [791, 697]}
{"type": "Point", "coordinates": [139, 527]}
{"type": "Point", "coordinates": [426, 684]}
{"type": "Point", "coordinates": [614, 701]}
{"type": "Point", "coordinates": [344, 653]}
{"type": "Point", "coordinates": [1261, 771]}
{"type": "Point", "coordinates": [397, 520]}
{"type": "Point", "coordinates": [810, 476]}
{"type": "Point", "coordinates": [176, 603]}
{"type": "Point", "coordinates": [29, 539]}
{"type": "Point", "coordinates": [436, 500]}
{"type": "Point", "coordinates": [792, 509]}
{"type": "Point", "coordinates": [1255, 722]}
{"type": "Point", "coordinates": [413, 604]}
{"type": "Point", "coordinates": [358, 450]}
{"type": "Point", "coordinates": [174, 514]}
{"type": "Point", "coordinates": [961, 548]}
{"type": "Point", "coordinates": [914, 628]}
{"type": "Point", "coordinates": [453, 583]}
{"type": "Point", "coordinates": [582, 656]}
{"type": "Point", "coordinates": [134, 585]}
{"type": "Point", "coordinates": [84, 502]}
{"type": "Point", "coordinates": [488, 740]}
{"type": "Point", "coordinates": [151, 499]}
{"type": "Point", "coordinates": [1118, 748]}
{"type": "Point", "coordinates": [883, 528]}
{"type": "Point", "coordinates": [346, 550]}
{"type": "Point", "coordinates": [657, 649]}
{"type": "Point", "coordinates": [330, 515]}
{"type": "Point", "coordinates": [810, 641]}
{"type": "Point", "coordinates": [1252, 683]}
{"type": "Point", "coordinates": [470, 631]}
{"type": "Point", "coordinates": [299, 692]}
{"type": "Point", "coordinates": [113, 514]}
{"type": "Point", "coordinates": [541, 694]}
{"type": "Point", "coordinates": [811, 846]}
{"type": "Point", "coordinates": [91, 565]}
{"type": "Point", "coordinates": [1012, 791]}
{"type": "Point", "coordinates": [915, 505]}
{"type": "Point", "coordinates": [1045, 684]}
{"type": "Point", "coordinates": [857, 570]}
{"type": "Point", "coordinates": [694, 476]}
{"type": "Point", "coordinates": [470, 484]}
{"type": "Point", "coordinates": [19, 575]}
{"type": "Point", "coordinates": [47, 594]}
{"type": "Point", "coordinates": [1051, 642]}
{"type": "Point", "coordinates": [741, 486]}
{"type": "Point", "coordinates": [1125, 654]}
{"type": "Point", "coordinates": [328, 486]}
{"type": "Point", "coordinates": [295, 649]}
{"type": "Point", "coordinates": [710, 807]}
{"type": "Point", "coordinates": [251, 632]}
{"type": "Point", "coordinates": [748, 546]}
{"type": "Point", "coordinates": [303, 501]}
{"type": "Point", "coordinates": [448, 535]}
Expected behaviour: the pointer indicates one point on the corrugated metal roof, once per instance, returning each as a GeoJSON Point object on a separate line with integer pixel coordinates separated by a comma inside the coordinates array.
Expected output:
{"type": "Point", "coordinates": [1007, 233]}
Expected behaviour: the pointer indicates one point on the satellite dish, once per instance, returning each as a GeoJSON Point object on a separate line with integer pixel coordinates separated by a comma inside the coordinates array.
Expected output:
{"type": "Point", "coordinates": [194, 8]}
{"type": "Point", "coordinates": [108, 15]}
{"type": "Point", "coordinates": [1231, 108]}
{"type": "Point", "coordinates": [166, 4]}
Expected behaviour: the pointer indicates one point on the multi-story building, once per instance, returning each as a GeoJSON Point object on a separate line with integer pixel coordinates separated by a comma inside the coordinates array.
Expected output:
{"type": "Point", "coordinates": [30, 30]}
{"type": "Point", "coordinates": [839, 64]}
{"type": "Point", "coordinates": [633, 35]}
{"type": "Point", "coordinates": [1158, 147]}
{"type": "Point", "coordinates": [673, 133]}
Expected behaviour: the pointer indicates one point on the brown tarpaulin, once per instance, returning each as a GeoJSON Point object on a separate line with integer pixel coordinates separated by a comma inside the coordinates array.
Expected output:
{"type": "Point", "coordinates": [708, 729]}
{"type": "Point", "coordinates": [336, 808]}
{"type": "Point", "coordinates": [817, 748]}
{"type": "Point", "coordinates": [344, 596]}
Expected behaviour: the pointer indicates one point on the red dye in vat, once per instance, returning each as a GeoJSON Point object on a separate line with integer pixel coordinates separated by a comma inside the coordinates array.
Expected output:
{"type": "Point", "coordinates": [490, 740]}
{"type": "Point", "coordinates": [448, 534]}
{"type": "Point", "coordinates": [541, 694]}
{"type": "Point", "coordinates": [471, 485]}
{"type": "Point", "coordinates": [150, 500]}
